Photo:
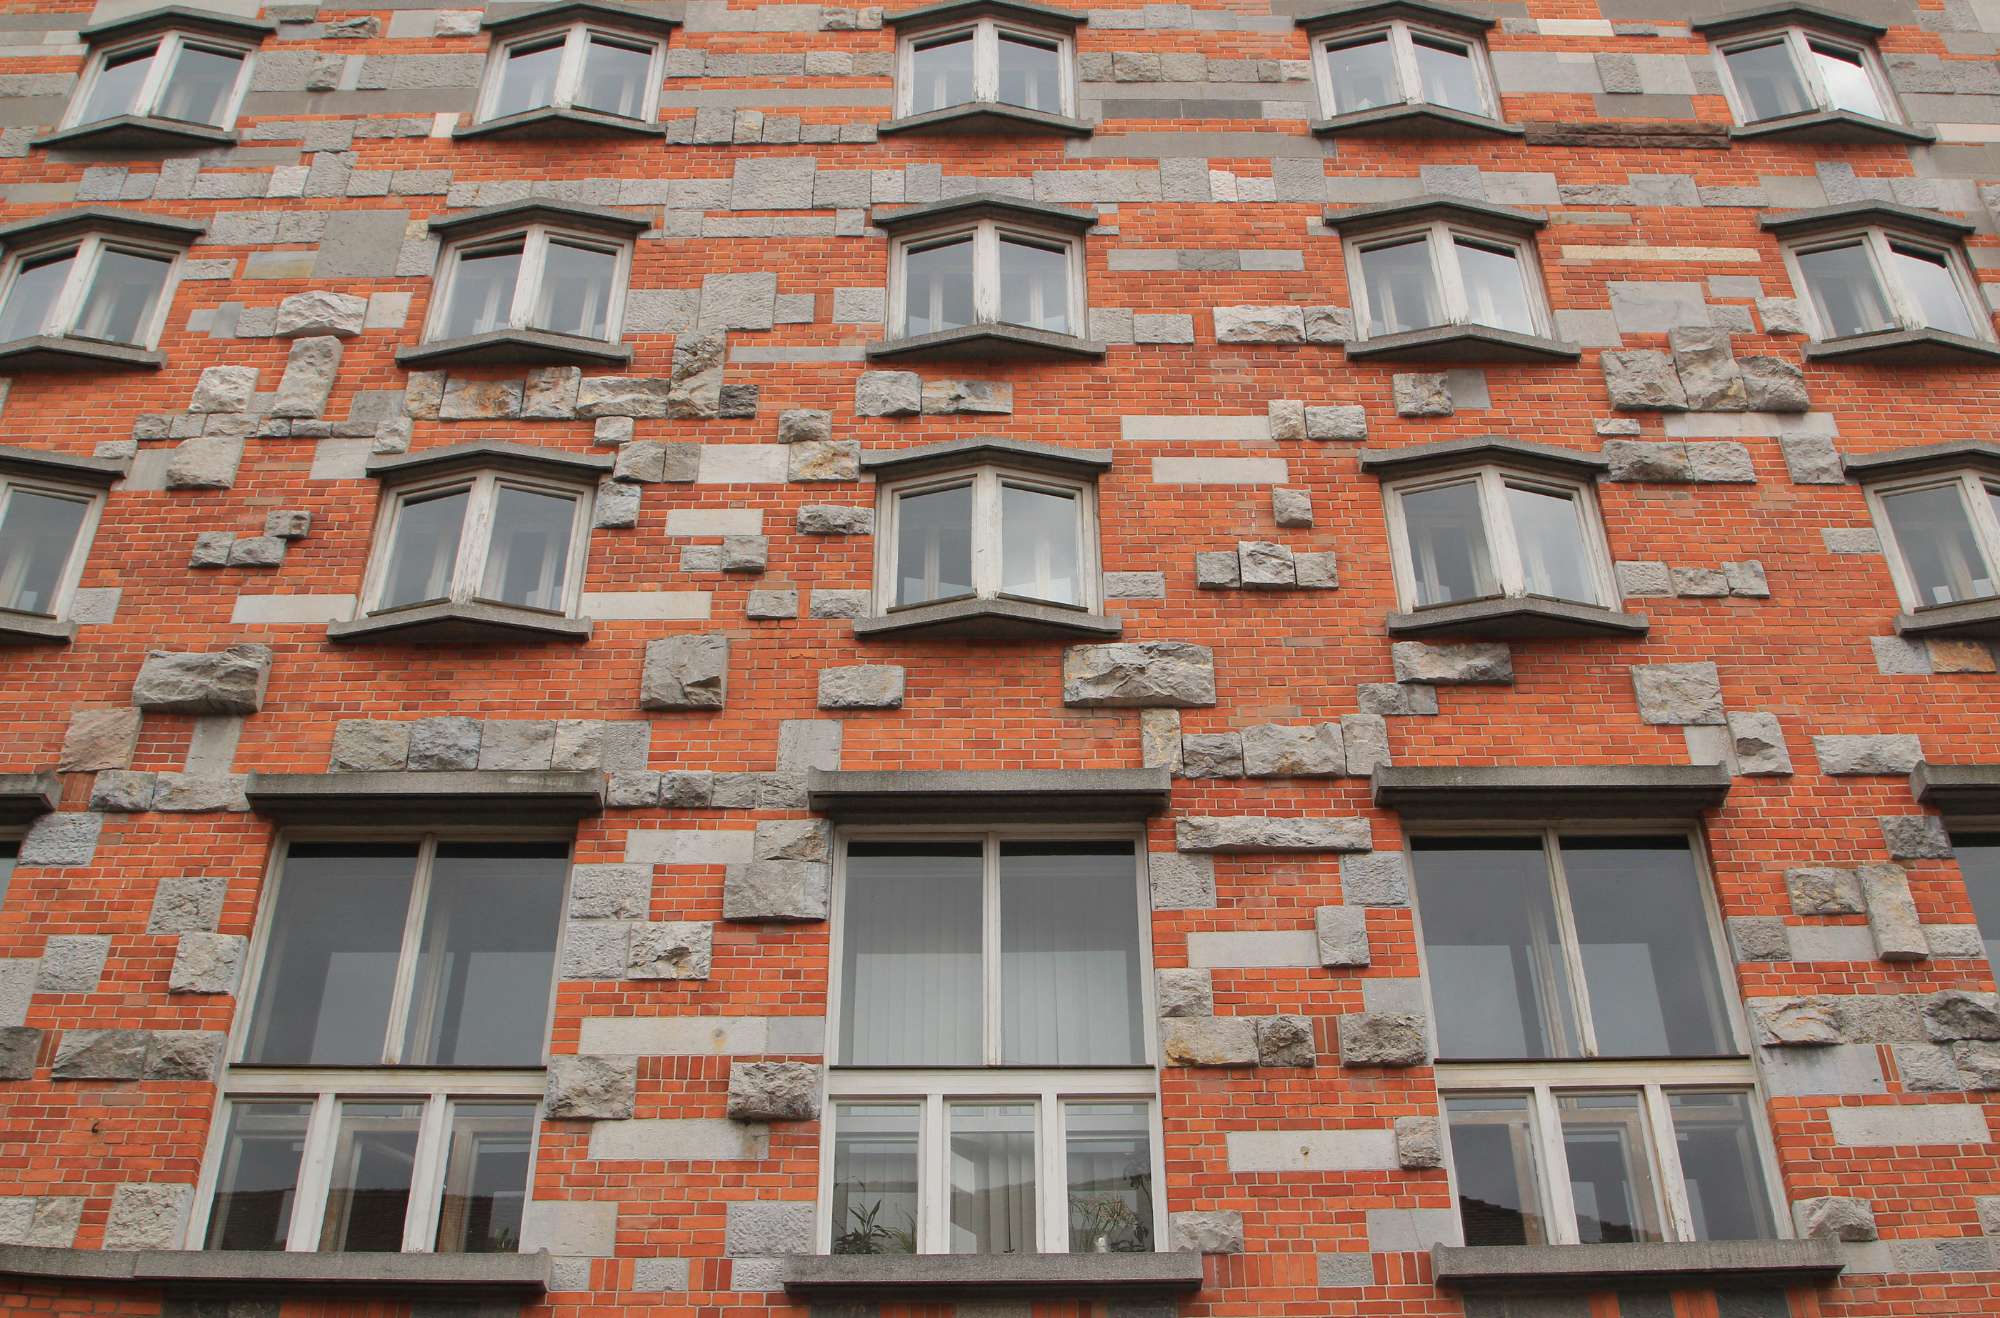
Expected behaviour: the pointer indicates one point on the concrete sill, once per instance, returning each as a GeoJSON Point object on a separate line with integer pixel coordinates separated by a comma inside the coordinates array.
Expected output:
{"type": "Point", "coordinates": [988, 795]}
{"type": "Point", "coordinates": [460, 624]}
{"type": "Point", "coordinates": [992, 619]}
{"type": "Point", "coordinates": [26, 796]}
{"type": "Point", "coordinates": [1958, 789]}
{"type": "Point", "coordinates": [1439, 793]}
{"type": "Point", "coordinates": [550, 122]}
{"type": "Point", "coordinates": [1975, 618]}
{"type": "Point", "coordinates": [1462, 344]}
{"type": "Point", "coordinates": [1414, 121]}
{"type": "Point", "coordinates": [1907, 348]}
{"type": "Point", "coordinates": [987, 117]}
{"type": "Point", "coordinates": [1594, 1267]}
{"type": "Point", "coordinates": [1512, 618]}
{"type": "Point", "coordinates": [1835, 127]}
{"type": "Point", "coordinates": [925, 1277]}
{"type": "Point", "coordinates": [55, 352]}
{"type": "Point", "coordinates": [989, 342]}
{"type": "Point", "coordinates": [522, 796]}
{"type": "Point", "coordinates": [136, 132]}
{"type": "Point", "coordinates": [34, 629]}
{"type": "Point", "coordinates": [516, 348]}
{"type": "Point", "coordinates": [242, 1272]}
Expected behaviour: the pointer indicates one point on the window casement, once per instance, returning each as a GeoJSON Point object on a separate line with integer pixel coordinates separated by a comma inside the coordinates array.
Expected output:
{"type": "Point", "coordinates": [1592, 1065]}
{"type": "Point", "coordinates": [168, 78]}
{"type": "Point", "coordinates": [1937, 510]}
{"type": "Point", "coordinates": [49, 509]}
{"type": "Point", "coordinates": [1403, 68]}
{"type": "Point", "coordinates": [384, 1084]}
{"type": "Point", "coordinates": [573, 70]}
{"type": "Point", "coordinates": [993, 1087]}
{"type": "Point", "coordinates": [985, 274]}
{"type": "Point", "coordinates": [529, 283]}
{"type": "Point", "coordinates": [986, 66]}
{"type": "Point", "coordinates": [1799, 71]}
{"type": "Point", "coordinates": [89, 290]}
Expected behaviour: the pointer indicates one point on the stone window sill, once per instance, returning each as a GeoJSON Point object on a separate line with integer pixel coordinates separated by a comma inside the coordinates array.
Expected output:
{"type": "Point", "coordinates": [137, 132]}
{"type": "Point", "coordinates": [1674, 1265]}
{"type": "Point", "coordinates": [550, 121]}
{"type": "Point", "coordinates": [34, 629]}
{"type": "Point", "coordinates": [986, 117]}
{"type": "Point", "coordinates": [1511, 618]}
{"type": "Point", "coordinates": [1441, 793]}
{"type": "Point", "coordinates": [56, 352]}
{"type": "Point", "coordinates": [962, 1276]}
{"type": "Point", "coordinates": [27, 796]}
{"type": "Point", "coordinates": [1462, 345]}
{"type": "Point", "coordinates": [518, 796]}
{"type": "Point", "coordinates": [1418, 121]}
{"type": "Point", "coordinates": [991, 619]}
{"type": "Point", "coordinates": [1957, 789]}
{"type": "Point", "coordinates": [1907, 348]}
{"type": "Point", "coordinates": [516, 348]}
{"type": "Point", "coordinates": [1835, 127]}
{"type": "Point", "coordinates": [990, 342]}
{"type": "Point", "coordinates": [1976, 618]}
{"type": "Point", "coordinates": [239, 1272]}
{"type": "Point", "coordinates": [460, 623]}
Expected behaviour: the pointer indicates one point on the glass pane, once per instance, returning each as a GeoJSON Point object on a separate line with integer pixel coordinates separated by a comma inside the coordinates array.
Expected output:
{"type": "Point", "coordinates": [1496, 288]}
{"type": "Point", "coordinates": [941, 73]}
{"type": "Point", "coordinates": [1030, 73]}
{"type": "Point", "coordinates": [937, 287]}
{"type": "Point", "coordinates": [614, 77]}
{"type": "Point", "coordinates": [1767, 82]}
{"type": "Point", "coordinates": [1648, 956]}
{"type": "Point", "coordinates": [528, 563]}
{"type": "Point", "coordinates": [1496, 966]}
{"type": "Point", "coordinates": [1845, 291]}
{"type": "Point", "coordinates": [1039, 531]}
{"type": "Point", "coordinates": [10, 851]}
{"type": "Point", "coordinates": [1979, 862]}
{"type": "Point", "coordinates": [37, 536]}
{"type": "Point", "coordinates": [330, 967]}
{"type": "Point", "coordinates": [575, 296]}
{"type": "Point", "coordinates": [368, 1194]}
{"type": "Point", "coordinates": [992, 1178]}
{"type": "Point", "coordinates": [123, 295]}
{"type": "Point", "coordinates": [485, 1178]}
{"type": "Point", "coordinates": [1848, 85]}
{"type": "Point", "coordinates": [1363, 74]}
{"type": "Point", "coordinates": [1927, 279]}
{"type": "Point", "coordinates": [197, 92]}
{"type": "Point", "coordinates": [911, 983]}
{"type": "Point", "coordinates": [1548, 533]}
{"type": "Point", "coordinates": [1069, 954]}
{"type": "Point", "coordinates": [875, 1178]}
{"type": "Point", "coordinates": [1721, 1165]}
{"type": "Point", "coordinates": [528, 78]}
{"type": "Point", "coordinates": [425, 548]}
{"type": "Point", "coordinates": [1449, 560]}
{"type": "Point", "coordinates": [1110, 1157]}
{"type": "Point", "coordinates": [1034, 286]}
{"type": "Point", "coordinates": [258, 1177]}
{"type": "Point", "coordinates": [1402, 287]}
{"type": "Point", "coordinates": [1604, 1138]}
{"type": "Point", "coordinates": [115, 90]}
{"type": "Point", "coordinates": [481, 992]}
{"type": "Point", "coordinates": [1493, 1156]}
{"type": "Point", "coordinates": [934, 545]}
{"type": "Point", "coordinates": [1934, 533]}
{"type": "Point", "coordinates": [482, 291]}
{"type": "Point", "coordinates": [33, 295]}
{"type": "Point", "coordinates": [1449, 76]}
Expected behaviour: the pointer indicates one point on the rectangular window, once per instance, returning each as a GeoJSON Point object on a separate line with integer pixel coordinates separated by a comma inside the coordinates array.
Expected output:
{"type": "Point", "coordinates": [986, 62]}
{"type": "Point", "coordinates": [1363, 73]}
{"type": "Point", "coordinates": [1031, 72]}
{"type": "Point", "coordinates": [1941, 536]}
{"type": "Point", "coordinates": [42, 537]}
{"type": "Point", "coordinates": [537, 279]}
{"type": "Point", "coordinates": [988, 533]}
{"type": "Point", "coordinates": [1979, 862]}
{"type": "Point", "coordinates": [123, 297]}
{"type": "Point", "coordinates": [121, 76]}
{"type": "Point", "coordinates": [941, 72]}
{"type": "Point", "coordinates": [1108, 1155]}
{"type": "Point", "coordinates": [1448, 73]}
{"type": "Point", "coordinates": [577, 67]}
{"type": "Point", "coordinates": [256, 1188]}
{"type": "Point", "coordinates": [488, 538]}
{"type": "Point", "coordinates": [169, 77]}
{"type": "Point", "coordinates": [985, 275]}
{"type": "Point", "coordinates": [113, 292]}
{"type": "Point", "coordinates": [616, 74]}
{"type": "Point", "coordinates": [1489, 532]}
{"type": "Point", "coordinates": [1440, 275]}
{"type": "Point", "coordinates": [528, 73]}
{"type": "Point", "coordinates": [1874, 281]}
{"type": "Point", "coordinates": [937, 286]}
{"type": "Point", "coordinates": [1403, 292]}
{"type": "Point", "coordinates": [486, 1178]}
{"type": "Point", "coordinates": [1404, 65]}
{"type": "Point", "coordinates": [1777, 75]}
{"type": "Point", "coordinates": [1770, 85]}
{"type": "Point", "coordinates": [874, 1186]}
{"type": "Point", "coordinates": [1844, 73]}
{"type": "Point", "coordinates": [31, 298]}
{"type": "Point", "coordinates": [1034, 285]}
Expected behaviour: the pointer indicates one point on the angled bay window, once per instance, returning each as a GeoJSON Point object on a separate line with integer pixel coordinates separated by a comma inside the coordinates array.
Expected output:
{"type": "Point", "coordinates": [986, 275]}
{"type": "Point", "coordinates": [1403, 67]}
{"type": "Point", "coordinates": [1799, 71]}
{"type": "Point", "coordinates": [49, 509]}
{"type": "Point", "coordinates": [168, 78]}
{"type": "Point", "coordinates": [89, 289]}
{"type": "Point", "coordinates": [986, 66]}
{"type": "Point", "coordinates": [534, 282]}
{"type": "Point", "coordinates": [1444, 279]}
{"type": "Point", "coordinates": [1937, 510]}
{"type": "Point", "coordinates": [578, 69]}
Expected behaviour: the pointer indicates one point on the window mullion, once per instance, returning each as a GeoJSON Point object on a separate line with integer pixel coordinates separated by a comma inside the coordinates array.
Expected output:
{"type": "Point", "coordinates": [1907, 315]}
{"type": "Point", "coordinates": [315, 1175]}
{"type": "Point", "coordinates": [986, 61]}
{"type": "Point", "coordinates": [985, 533]}
{"type": "Point", "coordinates": [406, 958]}
{"type": "Point", "coordinates": [1451, 284]}
{"type": "Point", "coordinates": [62, 313]}
{"type": "Point", "coordinates": [1555, 1161]}
{"type": "Point", "coordinates": [1505, 548]}
{"type": "Point", "coordinates": [475, 538]}
{"type": "Point", "coordinates": [1667, 1159]}
{"type": "Point", "coordinates": [990, 949]}
{"type": "Point", "coordinates": [1051, 1179]}
{"type": "Point", "coordinates": [933, 1180]}
{"type": "Point", "coordinates": [1403, 53]}
{"type": "Point", "coordinates": [985, 274]}
{"type": "Point", "coordinates": [569, 76]}
{"type": "Point", "coordinates": [534, 248]}
{"type": "Point", "coordinates": [426, 1177]}
{"type": "Point", "coordinates": [165, 55]}
{"type": "Point", "coordinates": [1572, 947]}
{"type": "Point", "coordinates": [1986, 524]}
{"type": "Point", "coordinates": [1800, 49]}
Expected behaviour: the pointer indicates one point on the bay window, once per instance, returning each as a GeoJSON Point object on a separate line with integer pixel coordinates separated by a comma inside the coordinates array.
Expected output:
{"type": "Point", "coordinates": [608, 64]}
{"type": "Point", "coordinates": [987, 531]}
{"type": "Point", "coordinates": [537, 278]}
{"type": "Point", "coordinates": [45, 531]}
{"type": "Point", "coordinates": [989, 272]}
{"type": "Point", "coordinates": [1794, 70]}
{"type": "Point", "coordinates": [163, 78]}
{"type": "Point", "coordinates": [491, 537]}
{"type": "Point", "coordinates": [1943, 537]}
{"type": "Point", "coordinates": [988, 59]}
{"type": "Point", "coordinates": [1362, 68]}
{"type": "Point", "coordinates": [1979, 864]}
{"type": "Point", "coordinates": [1885, 282]}
{"type": "Point", "coordinates": [94, 285]}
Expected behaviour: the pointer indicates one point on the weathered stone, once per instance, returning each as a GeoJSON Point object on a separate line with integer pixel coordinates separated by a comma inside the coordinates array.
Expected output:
{"type": "Point", "coordinates": [768, 605]}
{"type": "Point", "coordinates": [622, 395]}
{"type": "Point", "coordinates": [450, 742]}
{"type": "Point", "coordinates": [1181, 883]}
{"type": "Point", "coordinates": [310, 368]}
{"type": "Point", "coordinates": [792, 839]}
{"type": "Point", "coordinates": [803, 425]}
{"type": "Point", "coordinates": [1286, 418]}
{"type": "Point", "coordinates": [1419, 1143]}
{"type": "Point", "coordinates": [122, 791]}
{"type": "Point", "coordinates": [1247, 833]}
{"type": "Point", "coordinates": [1709, 377]}
{"type": "Point", "coordinates": [861, 686]}
{"type": "Point", "coordinates": [1395, 700]}
{"type": "Point", "coordinates": [101, 1055]}
{"type": "Point", "coordinates": [773, 1091]}
{"type": "Point", "coordinates": [1642, 380]}
{"type": "Point", "coordinates": [1160, 739]}
{"type": "Point", "coordinates": [1366, 739]}
{"type": "Point", "coordinates": [147, 1216]}
{"type": "Point", "coordinates": [824, 460]}
{"type": "Point", "coordinates": [1212, 755]}
{"type": "Point", "coordinates": [611, 892]}
{"type": "Point", "coordinates": [1835, 1217]}
{"type": "Point", "coordinates": [1291, 507]}
{"type": "Point", "coordinates": [72, 963]}
{"type": "Point", "coordinates": [1446, 665]}
{"type": "Point", "coordinates": [1959, 1014]}
{"type": "Point", "coordinates": [362, 745]}
{"type": "Point", "coordinates": [549, 392]}
{"type": "Point", "coordinates": [1383, 1038]}
{"type": "Point", "coordinates": [1260, 325]}
{"type": "Point", "coordinates": [888, 393]}
{"type": "Point", "coordinates": [1720, 461]}
{"type": "Point", "coordinates": [775, 890]}
{"type": "Point", "coordinates": [67, 837]}
{"type": "Point", "coordinates": [1343, 935]}
{"type": "Point", "coordinates": [205, 462]}
{"type": "Point", "coordinates": [1345, 422]}
{"type": "Point", "coordinates": [1329, 324]}
{"type": "Point", "coordinates": [257, 551]}
{"type": "Point", "coordinates": [206, 963]}
{"type": "Point", "coordinates": [1318, 570]}
{"type": "Point", "coordinates": [230, 681]}
{"type": "Point", "coordinates": [519, 744]}
{"type": "Point", "coordinates": [1422, 393]}
{"type": "Point", "coordinates": [321, 312]}
{"type": "Point", "coordinates": [672, 949]}
{"type": "Point", "coordinates": [1209, 1231]}
{"type": "Point", "coordinates": [1285, 1041]}
{"type": "Point", "coordinates": [1759, 938]}
{"type": "Point", "coordinates": [835, 519]}
{"type": "Point", "coordinates": [185, 905]}
{"type": "Point", "coordinates": [1896, 753]}
{"type": "Point", "coordinates": [1823, 890]}
{"type": "Point", "coordinates": [1264, 563]}
{"type": "Point", "coordinates": [1774, 384]}
{"type": "Point", "coordinates": [769, 1229]}
{"type": "Point", "coordinates": [745, 553]}
{"type": "Point", "coordinates": [1747, 580]}
{"type": "Point", "coordinates": [694, 383]}
{"type": "Point", "coordinates": [185, 1054]}
{"type": "Point", "coordinates": [1647, 460]}
{"type": "Point", "coordinates": [1217, 570]}
{"type": "Point", "coordinates": [99, 739]}
{"type": "Point", "coordinates": [1377, 878]}
{"type": "Point", "coordinates": [1812, 460]}
{"type": "Point", "coordinates": [967, 397]}
{"type": "Point", "coordinates": [1795, 1022]}
{"type": "Point", "coordinates": [687, 788]}
{"type": "Point", "coordinates": [224, 389]}
{"type": "Point", "coordinates": [1276, 751]}
{"type": "Point", "coordinates": [1138, 674]}
{"type": "Point", "coordinates": [19, 1047]}
{"type": "Point", "coordinates": [287, 523]}
{"type": "Point", "coordinates": [1916, 837]}
{"type": "Point", "coordinates": [1978, 1065]}
{"type": "Point", "coordinates": [591, 1088]}
{"type": "Point", "coordinates": [1209, 1040]}
{"type": "Point", "coordinates": [1678, 693]}
{"type": "Point", "coordinates": [1892, 914]}
{"type": "Point", "coordinates": [1185, 992]}
{"type": "Point", "coordinates": [687, 671]}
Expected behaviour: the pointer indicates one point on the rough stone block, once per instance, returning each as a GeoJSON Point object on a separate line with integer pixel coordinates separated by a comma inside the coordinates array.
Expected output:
{"type": "Point", "coordinates": [1835, 1217]}
{"type": "Point", "coordinates": [1264, 563]}
{"type": "Point", "coordinates": [1823, 890]}
{"type": "Point", "coordinates": [310, 369]}
{"type": "Point", "coordinates": [945, 397]}
{"type": "Point", "coordinates": [1291, 508]}
{"type": "Point", "coordinates": [1181, 882]}
{"type": "Point", "coordinates": [1277, 751]}
{"type": "Point", "coordinates": [687, 671]}
{"type": "Point", "coordinates": [204, 462]}
{"type": "Point", "coordinates": [1422, 393]}
{"type": "Point", "coordinates": [769, 1228]}
{"type": "Point", "coordinates": [1209, 1041]}
{"type": "Point", "coordinates": [230, 681]}
{"type": "Point", "coordinates": [1795, 1022]}
{"type": "Point", "coordinates": [1217, 570]}
{"type": "Point", "coordinates": [1709, 377]}
{"type": "Point", "coordinates": [1260, 325]}
{"type": "Point", "coordinates": [1774, 384]}
{"type": "Point", "coordinates": [889, 393]}
{"type": "Point", "coordinates": [1892, 914]}
{"type": "Point", "coordinates": [147, 1216]}
{"type": "Point", "coordinates": [1812, 460]}
{"type": "Point", "coordinates": [1385, 1038]}
{"type": "Point", "coordinates": [101, 1055]}
{"type": "Point", "coordinates": [1286, 418]}
{"type": "Point", "coordinates": [1139, 674]}
{"type": "Point", "coordinates": [450, 742]}
{"type": "Point", "coordinates": [1959, 1014]}
{"type": "Point", "coordinates": [1212, 755]}
{"type": "Point", "coordinates": [321, 312]}
{"type": "Point", "coordinates": [1346, 422]}
{"type": "Point", "coordinates": [184, 905]}
{"type": "Point", "coordinates": [72, 963]}
{"type": "Point", "coordinates": [62, 839]}
{"type": "Point", "coordinates": [775, 890]}
{"type": "Point", "coordinates": [773, 1091]}
{"type": "Point", "coordinates": [1342, 932]}
{"type": "Point", "coordinates": [835, 519]}
{"type": "Point", "coordinates": [591, 1088]}
{"type": "Point", "coordinates": [1896, 753]}
{"type": "Point", "coordinates": [99, 739]}
{"type": "Point", "coordinates": [1209, 1231]}
{"type": "Point", "coordinates": [1285, 1041]}
{"type": "Point", "coordinates": [674, 949]}
{"type": "Point", "coordinates": [1678, 693]}
{"type": "Point", "coordinates": [185, 1054]}
{"type": "Point", "coordinates": [1184, 993]}
{"type": "Point", "coordinates": [1447, 665]}
{"type": "Point", "coordinates": [1916, 837]}
{"type": "Point", "coordinates": [363, 745]}
{"type": "Point", "coordinates": [1251, 833]}
{"type": "Point", "coordinates": [207, 963]}
{"type": "Point", "coordinates": [861, 686]}
{"type": "Point", "coordinates": [1643, 380]}
{"type": "Point", "coordinates": [1419, 1143]}
{"type": "Point", "coordinates": [224, 389]}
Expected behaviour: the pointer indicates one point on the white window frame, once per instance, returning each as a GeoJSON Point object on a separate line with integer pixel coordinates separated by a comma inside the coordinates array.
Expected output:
{"type": "Point", "coordinates": [569, 74]}
{"type": "Point", "coordinates": [1904, 310]}
{"type": "Point", "coordinates": [935, 1088]}
{"type": "Point", "coordinates": [167, 46]}
{"type": "Point", "coordinates": [435, 1087]}
{"type": "Point", "coordinates": [1798, 42]}
{"type": "Point", "coordinates": [475, 537]}
{"type": "Point", "coordinates": [987, 481]}
{"type": "Point", "coordinates": [1439, 238]}
{"type": "Point", "coordinates": [60, 320]}
{"type": "Point", "coordinates": [986, 33]}
{"type": "Point", "coordinates": [79, 551]}
{"type": "Point", "coordinates": [1402, 36]}
{"type": "Point", "coordinates": [986, 236]}
{"type": "Point", "coordinates": [1972, 485]}
{"type": "Point", "coordinates": [534, 240]}
{"type": "Point", "coordinates": [1502, 547]}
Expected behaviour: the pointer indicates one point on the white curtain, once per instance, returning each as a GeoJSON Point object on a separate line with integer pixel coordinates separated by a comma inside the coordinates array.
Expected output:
{"type": "Point", "coordinates": [911, 983]}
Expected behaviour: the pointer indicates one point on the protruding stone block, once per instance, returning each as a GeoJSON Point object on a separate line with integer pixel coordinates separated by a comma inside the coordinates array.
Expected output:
{"type": "Point", "coordinates": [1423, 393]}
{"type": "Point", "coordinates": [1823, 890]}
{"type": "Point", "coordinates": [1896, 753]}
{"type": "Point", "coordinates": [310, 368]}
{"type": "Point", "coordinates": [773, 1091]}
{"type": "Point", "coordinates": [1447, 665]}
{"type": "Point", "coordinates": [591, 1088]}
{"type": "Point", "coordinates": [1835, 1217]}
{"type": "Point", "coordinates": [1248, 833]}
{"type": "Point", "coordinates": [207, 963]}
{"type": "Point", "coordinates": [888, 393]}
{"type": "Point", "coordinates": [686, 671]}
{"type": "Point", "coordinates": [1342, 932]}
{"type": "Point", "coordinates": [1285, 1041]}
{"type": "Point", "coordinates": [1678, 693]}
{"type": "Point", "coordinates": [1419, 1143]}
{"type": "Point", "coordinates": [1139, 673]}
{"type": "Point", "coordinates": [1892, 914]}
{"type": "Point", "coordinates": [230, 681]}
{"type": "Point", "coordinates": [672, 949]}
{"type": "Point", "coordinates": [1181, 882]}
{"type": "Point", "coordinates": [1185, 993]}
{"type": "Point", "coordinates": [1212, 755]}
{"type": "Point", "coordinates": [321, 312]}
{"type": "Point", "coordinates": [775, 890]}
{"type": "Point", "coordinates": [1383, 1038]}
{"type": "Point", "coordinates": [611, 892]}
{"type": "Point", "coordinates": [861, 686]}
{"type": "Point", "coordinates": [99, 739]}
{"type": "Point", "coordinates": [1758, 740]}
{"type": "Point", "coordinates": [147, 1216]}
{"type": "Point", "coordinates": [1643, 381]}
{"type": "Point", "coordinates": [1209, 1040]}
{"type": "Point", "coordinates": [1274, 750]}
{"type": "Point", "coordinates": [1209, 1231]}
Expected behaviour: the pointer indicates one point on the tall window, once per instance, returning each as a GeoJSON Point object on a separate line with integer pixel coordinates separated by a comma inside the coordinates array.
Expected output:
{"type": "Point", "coordinates": [1486, 532]}
{"type": "Point", "coordinates": [992, 1087]}
{"type": "Point", "coordinates": [1444, 273]}
{"type": "Point", "coordinates": [1785, 72]}
{"type": "Point", "coordinates": [1399, 63]}
{"type": "Point", "coordinates": [45, 531]}
{"type": "Point", "coordinates": [988, 60]}
{"type": "Point", "coordinates": [988, 532]}
{"type": "Point", "coordinates": [987, 272]}
{"type": "Point", "coordinates": [488, 537]}
{"type": "Point", "coordinates": [582, 66]}
{"type": "Point", "coordinates": [534, 278]}
{"type": "Point", "coordinates": [10, 851]}
{"type": "Point", "coordinates": [1875, 280]}
{"type": "Point", "coordinates": [109, 289]}
{"type": "Point", "coordinates": [183, 77]}
{"type": "Point", "coordinates": [1594, 1081]}
{"type": "Point", "coordinates": [1979, 862]}
{"type": "Point", "coordinates": [387, 1075]}
{"type": "Point", "coordinates": [1943, 536]}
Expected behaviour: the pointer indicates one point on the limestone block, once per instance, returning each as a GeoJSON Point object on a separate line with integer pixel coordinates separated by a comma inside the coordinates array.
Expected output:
{"type": "Point", "coordinates": [1643, 380]}
{"type": "Point", "coordinates": [1823, 890]}
{"type": "Point", "coordinates": [775, 890]}
{"type": "Point", "coordinates": [888, 393]}
{"type": "Point", "coordinates": [611, 892]}
{"type": "Point", "coordinates": [1291, 508]}
{"type": "Point", "coordinates": [1260, 325]}
{"type": "Point", "coordinates": [1892, 914]}
{"type": "Point", "coordinates": [1209, 1040]}
{"type": "Point", "coordinates": [1342, 932]}
{"type": "Point", "coordinates": [687, 671]}
{"type": "Point", "coordinates": [1278, 751]}
{"type": "Point", "coordinates": [1252, 833]}
{"type": "Point", "coordinates": [1835, 1217]}
{"type": "Point", "coordinates": [1422, 393]}
{"type": "Point", "coordinates": [230, 681]}
{"type": "Point", "coordinates": [321, 312]}
{"type": "Point", "coordinates": [1707, 369]}
{"type": "Point", "coordinates": [1375, 878]}
{"type": "Point", "coordinates": [1188, 993]}
{"type": "Point", "coordinates": [1209, 1231]}
{"type": "Point", "coordinates": [310, 368]}
{"type": "Point", "coordinates": [1285, 1041]}
{"type": "Point", "coordinates": [1383, 1038]}
{"type": "Point", "coordinates": [147, 1216]}
{"type": "Point", "coordinates": [1678, 693]}
{"type": "Point", "coordinates": [1896, 753]}
{"type": "Point", "coordinates": [450, 742]}
{"type": "Point", "coordinates": [207, 963]}
{"type": "Point", "coordinates": [1419, 1143]}
{"type": "Point", "coordinates": [673, 949]}
{"type": "Point", "coordinates": [363, 745]}
{"type": "Point", "coordinates": [591, 1088]}
{"type": "Point", "coordinates": [1348, 422]}
{"type": "Point", "coordinates": [835, 519]}
{"type": "Point", "coordinates": [184, 905]}
{"type": "Point", "coordinates": [773, 1091]}
{"type": "Point", "coordinates": [204, 462]}
{"type": "Point", "coordinates": [1443, 665]}
{"type": "Point", "coordinates": [861, 686]}
{"type": "Point", "coordinates": [1265, 563]}
{"type": "Point", "coordinates": [224, 389]}
{"type": "Point", "coordinates": [1139, 674]}
{"type": "Point", "coordinates": [1181, 882]}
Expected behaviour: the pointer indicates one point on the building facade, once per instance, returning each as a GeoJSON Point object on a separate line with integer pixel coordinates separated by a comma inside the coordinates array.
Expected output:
{"type": "Point", "coordinates": [1215, 658]}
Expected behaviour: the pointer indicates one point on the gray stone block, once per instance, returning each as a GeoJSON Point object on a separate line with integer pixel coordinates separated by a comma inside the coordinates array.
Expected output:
{"type": "Point", "coordinates": [1383, 1039]}
{"type": "Point", "coordinates": [72, 963]}
{"type": "Point", "coordinates": [1642, 380]}
{"type": "Point", "coordinates": [1278, 751]}
{"type": "Point", "coordinates": [1835, 1217]}
{"type": "Point", "coordinates": [1208, 1231]}
{"type": "Point", "coordinates": [591, 1088]}
{"type": "Point", "coordinates": [774, 1091]}
{"type": "Point", "coordinates": [1212, 755]}
{"type": "Point", "coordinates": [673, 949]}
{"type": "Point", "coordinates": [1759, 938]}
{"type": "Point", "coordinates": [1956, 1014]}
{"type": "Point", "coordinates": [1823, 890]}
{"type": "Point", "coordinates": [1446, 665]}
{"type": "Point", "coordinates": [310, 368]}
{"type": "Point", "coordinates": [1870, 754]}
{"type": "Point", "coordinates": [763, 1229]}
{"type": "Point", "coordinates": [687, 671]}
{"type": "Point", "coordinates": [1425, 393]}
{"type": "Point", "coordinates": [611, 892]}
{"type": "Point", "coordinates": [1916, 837]}
{"type": "Point", "coordinates": [1217, 570]}
{"type": "Point", "coordinates": [321, 312]}
{"type": "Point", "coordinates": [1758, 743]}
{"type": "Point", "coordinates": [62, 839]}
{"type": "Point", "coordinates": [99, 739]}
{"type": "Point", "coordinates": [1678, 693]}
{"type": "Point", "coordinates": [1244, 324]}
{"type": "Point", "coordinates": [1209, 1041]}
{"type": "Point", "coordinates": [521, 744]}
{"type": "Point", "coordinates": [1263, 563]}
{"type": "Point", "coordinates": [121, 791]}
{"type": "Point", "coordinates": [1252, 833]}
{"type": "Point", "coordinates": [1184, 993]}
{"type": "Point", "coordinates": [1347, 422]}
{"type": "Point", "coordinates": [1342, 932]}
{"type": "Point", "coordinates": [230, 681]}
{"type": "Point", "coordinates": [204, 462]}
{"type": "Point", "coordinates": [1397, 700]}
{"type": "Point", "coordinates": [861, 686]}
{"type": "Point", "coordinates": [207, 963]}
{"type": "Point", "coordinates": [1139, 674]}
{"type": "Point", "coordinates": [1419, 1143]}
{"type": "Point", "coordinates": [1892, 914]}
{"type": "Point", "coordinates": [888, 393]}
{"type": "Point", "coordinates": [775, 890]}
{"type": "Point", "coordinates": [446, 743]}
{"type": "Point", "coordinates": [1181, 882]}
{"type": "Point", "coordinates": [147, 1216]}
{"type": "Point", "coordinates": [185, 1054]}
{"type": "Point", "coordinates": [101, 1055]}
{"type": "Point", "coordinates": [1285, 1041]}
{"type": "Point", "coordinates": [185, 905]}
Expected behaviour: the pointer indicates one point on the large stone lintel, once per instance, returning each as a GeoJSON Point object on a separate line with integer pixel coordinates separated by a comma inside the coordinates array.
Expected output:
{"type": "Point", "coordinates": [1907, 348]}
{"type": "Point", "coordinates": [555, 122]}
{"type": "Point", "coordinates": [515, 348]}
{"type": "Point", "coordinates": [969, 1276]}
{"type": "Point", "coordinates": [1421, 121]}
{"type": "Point", "coordinates": [993, 619]}
{"type": "Point", "coordinates": [1443, 454]}
{"type": "Point", "coordinates": [460, 622]}
{"type": "Point", "coordinates": [1518, 617]}
{"type": "Point", "coordinates": [1835, 128]}
{"type": "Point", "coordinates": [987, 343]}
{"type": "Point", "coordinates": [1958, 789]}
{"type": "Point", "coordinates": [1459, 344]}
{"type": "Point", "coordinates": [58, 352]}
{"type": "Point", "coordinates": [542, 797]}
{"type": "Point", "coordinates": [26, 796]}
{"type": "Point", "coordinates": [1604, 1267]}
{"type": "Point", "coordinates": [896, 795]}
{"type": "Point", "coordinates": [248, 1272]}
{"type": "Point", "coordinates": [986, 117]}
{"type": "Point", "coordinates": [137, 132]}
{"type": "Point", "coordinates": [1611, 791]}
